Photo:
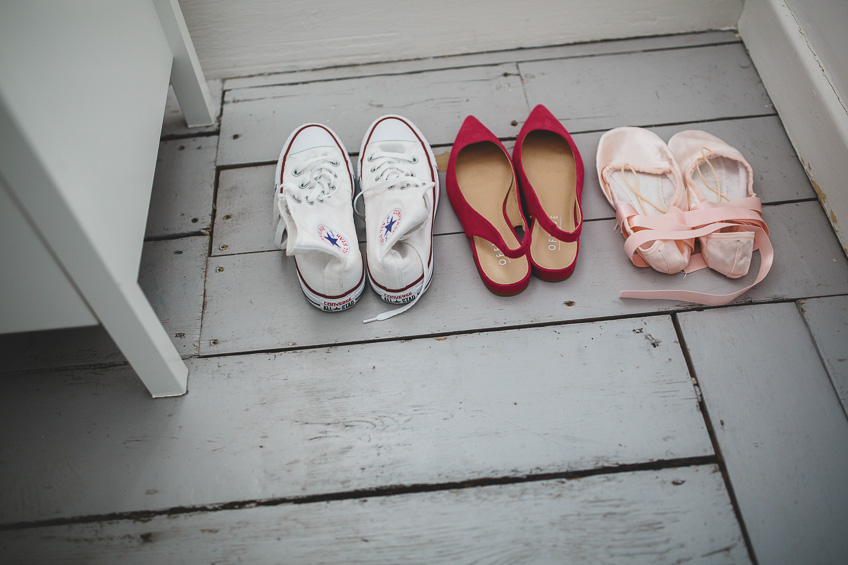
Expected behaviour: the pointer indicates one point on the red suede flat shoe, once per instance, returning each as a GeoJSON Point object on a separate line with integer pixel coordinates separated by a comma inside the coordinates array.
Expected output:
{"type": "Point", "coordinates": [550, 173]}
{"type": "Point", "coordinates": [483, 191]}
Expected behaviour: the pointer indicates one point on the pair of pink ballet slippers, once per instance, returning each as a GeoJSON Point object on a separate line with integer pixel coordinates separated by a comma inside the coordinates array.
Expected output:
{"type": "Point", "coordinates": [667, 196]}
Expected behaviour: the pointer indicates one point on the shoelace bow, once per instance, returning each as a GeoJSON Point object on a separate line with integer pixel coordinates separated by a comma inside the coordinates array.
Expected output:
{"type": "Point", "coordinates": [393, 173]}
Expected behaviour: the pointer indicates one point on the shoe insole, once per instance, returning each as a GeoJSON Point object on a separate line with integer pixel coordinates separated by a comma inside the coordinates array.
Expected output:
{"type": "Point", "coordinates": [731, 177]}
{"type": "Point", "coordinates": [657, 191]}
{"type": "Point", "coordinates": [486, 179]}
{"type": "Point", "coordinates": [550, 168]}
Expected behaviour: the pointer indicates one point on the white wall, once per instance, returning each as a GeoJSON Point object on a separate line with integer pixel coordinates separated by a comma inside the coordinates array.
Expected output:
{"type": "Point", "coordinates": [243, 37]}
{"type": "Point", "coordinates": [799, 48]}
{"type": "Point", "coordinates": [824, 23]}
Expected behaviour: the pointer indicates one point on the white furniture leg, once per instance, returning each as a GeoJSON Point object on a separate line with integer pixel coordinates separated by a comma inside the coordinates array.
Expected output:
{"type": "Point", "coordinates": [120, 307]}
{"type": "Point", "coordinates": [136, 330]}
{"type": "Point", "coordinates": [186, 74]}
{"type": "Point", "coordinates": [82, 95]}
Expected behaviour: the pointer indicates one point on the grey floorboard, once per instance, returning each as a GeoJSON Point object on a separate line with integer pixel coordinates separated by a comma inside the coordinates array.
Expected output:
{"type": "Point", "coordinates": [780, 428]}
{"type": "Point", "coordinates": [310, 437]}
{"type": "Point", "coordinates": [256, 122]}
{"type": "Point", "coordinates": [245, 224]}
{"type": "Point", "coordinates": [244, 220]}
{"type": "Point", "coordinates": [644, 517]}
{"type": "Point", "coordinates": [827, 319]}
{"type": "Point", "coordinates": [493, 58]}
{"type": "Point", "coordinates": [251, 304]}
{"type": "Point", "coordinates": [171, 276]}
{"type": "Point", "coordinates": [427, 411]}
{"type": "Point", "coordinates": [183, 187]}
{"type": "Point", "coordinates": [678, 86]}
{"type": "Point", "coordinates": [649, 88]}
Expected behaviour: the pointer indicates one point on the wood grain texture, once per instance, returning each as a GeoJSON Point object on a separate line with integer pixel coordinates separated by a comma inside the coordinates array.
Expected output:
{"type": "Point", "coordinates": [247, 39]}
{"type": "Point", "coordinates": [486, 58]}
{"type": "Point", "coordinates": [426, 411]}
{"type": "Point", "coordinates": [244, 219]}
{"type": "Point", "coordinates": [644, 517]}
{"type": "Point", "coordinates": [253, 302]}
{"type": "Point", "coordinates": [780, 427]}
{"type": "Point", "coordinates": [648, 89]}
{"type": "Point", "coordinates": [827, 319]}
{"type": "Point", "coordinates": [183, 188]}
{"type": "Point", "coordinates": [256, 122]}
{"type": "Point", "coordinates": [674, 86]}
{"type": "Point", "coordinates": [171, 275]}
{"type": "Point", "coordinates": [245, 224]}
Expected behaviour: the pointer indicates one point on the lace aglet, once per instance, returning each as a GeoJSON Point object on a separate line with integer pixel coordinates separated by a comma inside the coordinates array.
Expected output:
{"type": "Point", "coordinates": [395, 312]}
{"type": "Point", "coordinates": [379, 318]}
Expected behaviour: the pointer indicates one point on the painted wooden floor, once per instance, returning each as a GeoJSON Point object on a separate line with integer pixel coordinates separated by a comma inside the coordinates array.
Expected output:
{"type": "Point", "coordinates": [563, 425]}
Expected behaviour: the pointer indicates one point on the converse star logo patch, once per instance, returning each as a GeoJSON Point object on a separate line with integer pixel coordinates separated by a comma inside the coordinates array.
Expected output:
{"type": "Point", "coordinates": [390, 225]}
{"type": "Point", "coordinates": [333, 238]}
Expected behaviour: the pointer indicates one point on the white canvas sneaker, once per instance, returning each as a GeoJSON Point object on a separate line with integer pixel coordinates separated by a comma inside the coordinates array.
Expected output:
{"type": "Point", "coordinates": [313, 188]}
{"type": "Point", "coordinates": [399, 182]}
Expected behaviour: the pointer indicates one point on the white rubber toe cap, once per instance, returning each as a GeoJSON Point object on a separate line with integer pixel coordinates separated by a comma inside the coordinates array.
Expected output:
{"type": "Point", "coordinates": [311, 137]}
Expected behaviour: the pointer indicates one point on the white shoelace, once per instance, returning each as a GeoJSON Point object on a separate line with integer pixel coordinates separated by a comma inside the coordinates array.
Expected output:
{"type": "Point", "coordinates": [319, 180]}
{"type": "Point", "coordinates": [394, 174]}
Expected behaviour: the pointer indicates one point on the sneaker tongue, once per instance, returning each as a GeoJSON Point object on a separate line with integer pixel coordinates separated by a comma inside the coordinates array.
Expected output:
{"type": "Point", "coordinates": [314, 231]}
{"type": "Point", "coordinates": [393, 146]}
{"type": "Point", "coordinates": [404, 211]}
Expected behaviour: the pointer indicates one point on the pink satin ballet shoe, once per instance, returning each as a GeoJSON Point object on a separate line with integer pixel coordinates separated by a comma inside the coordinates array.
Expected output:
{"type": "Point", "coordinates": [718, 177]}
{"type": "Point", "coordinates": [642, 182]}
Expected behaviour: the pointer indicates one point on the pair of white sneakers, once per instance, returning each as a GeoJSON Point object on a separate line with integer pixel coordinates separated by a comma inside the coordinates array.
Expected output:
{"type": "Point", "coordinates": [313, 198]}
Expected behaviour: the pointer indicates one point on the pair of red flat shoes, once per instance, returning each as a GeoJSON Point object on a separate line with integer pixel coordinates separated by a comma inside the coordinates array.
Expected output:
{"type": "Point", "coordinates": [490, 201]}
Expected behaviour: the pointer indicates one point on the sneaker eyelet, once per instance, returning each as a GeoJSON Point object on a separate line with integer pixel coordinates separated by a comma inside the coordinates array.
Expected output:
{"type": "Point", "coordinates": [414, 159]}
{"type": "Point", "coordinates": [336, 162]}
{"type": "Point", "coordinates": [296, 173]}
{"type": "Point", "coordinates": [371, 159]}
